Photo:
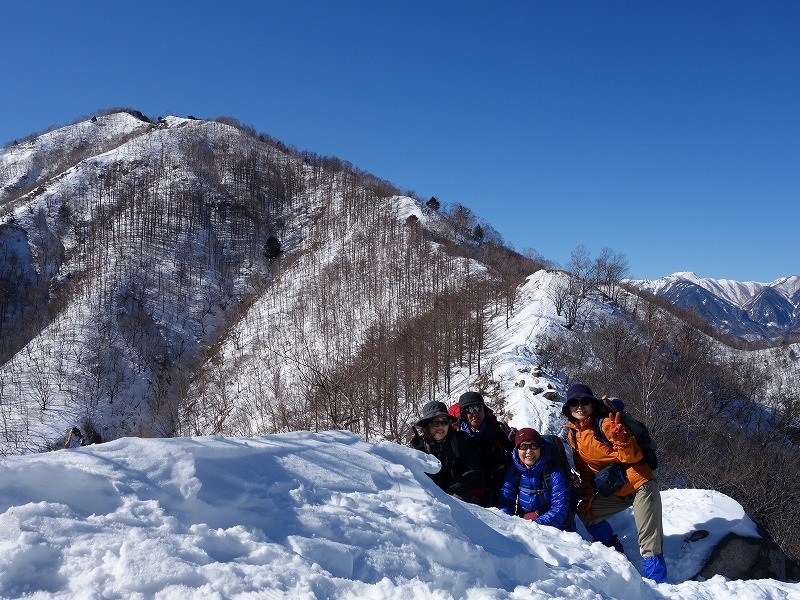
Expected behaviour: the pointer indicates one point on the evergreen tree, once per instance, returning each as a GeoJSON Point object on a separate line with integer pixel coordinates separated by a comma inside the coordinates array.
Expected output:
{"type": "Point", "coordinates": [272, 248]}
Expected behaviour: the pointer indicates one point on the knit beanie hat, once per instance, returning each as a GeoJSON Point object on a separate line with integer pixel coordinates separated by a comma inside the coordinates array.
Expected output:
{"type": "Point", "coordinates": [470, 399]}
{"type": "Point", "coordinates": [455, 410]}
{"type": "Point", "coordinates": [526, 434]}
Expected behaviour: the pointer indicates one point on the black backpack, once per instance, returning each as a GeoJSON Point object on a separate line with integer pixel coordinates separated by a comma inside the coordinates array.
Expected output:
{"type": "Point", "coordinates": [637, 428]}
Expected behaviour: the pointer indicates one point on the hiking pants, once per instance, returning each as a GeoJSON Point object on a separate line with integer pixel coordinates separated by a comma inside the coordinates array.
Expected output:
{"type": "Point", "coordinates": [646, 502]}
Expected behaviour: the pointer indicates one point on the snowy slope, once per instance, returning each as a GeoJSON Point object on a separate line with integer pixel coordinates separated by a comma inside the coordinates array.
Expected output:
{"type": "Point", "coordinates": [25, 164]}
{"type": "Point", "coordinates": [303, 515]}
{"type": "Point", "coordinates": [147, 305]}
{"type": "Point", "coordinates": [526, 395]}
{"type": "Point", "coordinates": [511, 361]}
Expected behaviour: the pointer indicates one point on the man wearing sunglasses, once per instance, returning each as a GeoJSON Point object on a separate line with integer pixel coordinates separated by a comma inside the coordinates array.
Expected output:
{"type": "Point", "coordinates": [461, 474]}
{"type": "Point", "coordinates": [494, 441]}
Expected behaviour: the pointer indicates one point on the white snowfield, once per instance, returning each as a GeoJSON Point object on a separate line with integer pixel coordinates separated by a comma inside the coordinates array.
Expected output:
{"type": "Point", "coordinates": [314, 515]}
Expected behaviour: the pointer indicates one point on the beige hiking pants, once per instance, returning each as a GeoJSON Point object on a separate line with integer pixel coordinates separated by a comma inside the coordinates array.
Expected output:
{"type": "Point", "coordinates": [646, 502]}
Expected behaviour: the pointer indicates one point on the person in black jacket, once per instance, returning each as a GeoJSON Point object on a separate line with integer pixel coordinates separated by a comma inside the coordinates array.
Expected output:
{"type": "Point", "coordinates": [494, 441]}
{"type": "Point", "coordinates": [462, 474]}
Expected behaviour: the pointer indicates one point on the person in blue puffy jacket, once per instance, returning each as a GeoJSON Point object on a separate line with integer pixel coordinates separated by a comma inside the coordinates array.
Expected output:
{"type": "Point", "coordinates": [534, 487]}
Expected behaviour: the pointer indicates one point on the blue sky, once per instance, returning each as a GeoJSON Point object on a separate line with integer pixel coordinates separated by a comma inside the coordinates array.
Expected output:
{"type": "Point", "coordinates": [667, 131]}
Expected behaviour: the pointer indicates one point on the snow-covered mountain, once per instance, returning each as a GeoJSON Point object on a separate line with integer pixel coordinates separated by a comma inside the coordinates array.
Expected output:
{"type": "Point", "coordinates": [747, 310]}
{"type": "Point", "coordinates": [184, 276]}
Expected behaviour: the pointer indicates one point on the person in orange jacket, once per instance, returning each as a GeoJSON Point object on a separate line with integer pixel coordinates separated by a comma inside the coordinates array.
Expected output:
{"type": "Point", "coordinates": [614, 477]}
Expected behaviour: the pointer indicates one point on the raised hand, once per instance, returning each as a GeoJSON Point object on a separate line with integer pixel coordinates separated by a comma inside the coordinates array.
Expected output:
{"type": "Point", "coordinates": [617, 430]}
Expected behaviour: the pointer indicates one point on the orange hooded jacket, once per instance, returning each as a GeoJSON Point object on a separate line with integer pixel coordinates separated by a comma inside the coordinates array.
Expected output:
{"type": "Point", "coordinates": [591, 455]}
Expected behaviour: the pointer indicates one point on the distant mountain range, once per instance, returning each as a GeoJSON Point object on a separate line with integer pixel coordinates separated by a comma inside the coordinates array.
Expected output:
{"type": "Point", "coordinates": [749, 311]}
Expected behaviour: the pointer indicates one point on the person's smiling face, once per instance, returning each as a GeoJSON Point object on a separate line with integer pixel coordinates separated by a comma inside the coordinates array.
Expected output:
{"type": "Point", "coordinates": [529, 453]}
{"type": "Point", "coordinates": [475, 415]}
{"type": "Point", "coordinates": [437, 428]}
{"type": "Point", "coordinates": [581, 408]}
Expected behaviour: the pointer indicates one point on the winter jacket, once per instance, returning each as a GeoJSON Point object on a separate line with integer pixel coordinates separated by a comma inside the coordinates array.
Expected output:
{"type": "Point", "coordinates": [591, 455]}
{"type": "Point", "coordinates": [494, 448]}
{"type": "Point", "coordinates": [461, 474]}
{"type": "Point", "coordinates": [521, 484]}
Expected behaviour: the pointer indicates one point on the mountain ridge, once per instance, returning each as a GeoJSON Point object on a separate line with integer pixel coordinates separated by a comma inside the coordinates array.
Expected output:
{"type": "Point", "coordinates": [141, 252]}
{"type": "Point", "coordinates": [749, 311]}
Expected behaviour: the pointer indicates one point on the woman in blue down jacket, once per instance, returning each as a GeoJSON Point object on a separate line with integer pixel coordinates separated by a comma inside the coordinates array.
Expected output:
{"type": "Point", "coordinates": [525, 492]}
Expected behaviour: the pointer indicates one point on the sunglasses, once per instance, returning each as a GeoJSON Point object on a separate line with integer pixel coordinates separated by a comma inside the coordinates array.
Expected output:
{"type": "Point", "coordinates": [439, 422]}
{"type": "Point", "coordinates": [474, 409]}
{"type": "Point", "coordinates": [528, 446]}
{"type": "Point", "coordinates": [582, 401]}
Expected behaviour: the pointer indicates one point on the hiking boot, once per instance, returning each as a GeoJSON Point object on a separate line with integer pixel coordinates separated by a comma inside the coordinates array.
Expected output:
{"type": "Point", "coordinates": [655, 568]}
{"type": "Point", "coordinates": [615, 544]}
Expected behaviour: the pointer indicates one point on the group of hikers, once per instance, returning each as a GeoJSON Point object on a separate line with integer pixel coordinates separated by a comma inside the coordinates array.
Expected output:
{"type": "Point", "coordinates": [523, 473]}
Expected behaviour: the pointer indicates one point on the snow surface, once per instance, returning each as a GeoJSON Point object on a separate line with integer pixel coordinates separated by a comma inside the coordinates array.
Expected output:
{"type": "Point", "coordinates": [305, 515]}
{"type": "Point", "coordinates": [25, 162]}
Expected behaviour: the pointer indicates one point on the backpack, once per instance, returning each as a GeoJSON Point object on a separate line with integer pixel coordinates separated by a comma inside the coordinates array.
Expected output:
{"type": "Point", "coordinates": [560, 461]}
{"type": "Point", "coordinates": [511, 432]}
{"type": "Point", "coordinates": [637, 428]}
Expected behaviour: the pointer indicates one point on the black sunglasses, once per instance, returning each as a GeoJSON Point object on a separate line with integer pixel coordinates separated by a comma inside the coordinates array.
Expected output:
{"type": "Point", "coordinates": [439, 422]}
{"type": "Point", "coordinates": [475, 408]}
{"type": "Point", "coordinates": [528, 446]}
{"type": "Point", "coordinates": [582, 401]}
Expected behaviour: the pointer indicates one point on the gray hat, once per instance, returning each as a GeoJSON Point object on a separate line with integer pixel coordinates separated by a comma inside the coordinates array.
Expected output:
{"type": "Point", "coordinates": [432, 410]}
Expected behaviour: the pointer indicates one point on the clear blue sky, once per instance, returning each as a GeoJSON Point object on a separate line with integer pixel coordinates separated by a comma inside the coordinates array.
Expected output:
{"type": "Point", "coordinates": [668, 131]}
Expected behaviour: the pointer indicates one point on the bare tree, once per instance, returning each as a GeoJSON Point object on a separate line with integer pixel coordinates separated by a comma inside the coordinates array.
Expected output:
{"type": "Point", "coordinates": [610, 268]}
{"type": "Point", "coordinates": [559, 293]}
{"type": "Point", "coordinates": [581, 266]}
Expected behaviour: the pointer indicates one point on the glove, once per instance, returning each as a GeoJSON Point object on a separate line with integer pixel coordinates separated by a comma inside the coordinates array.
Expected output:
{"type": "Point", "coordinates": [617, 431]}
{"type": "Point", "coordinates": [531, 516]}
